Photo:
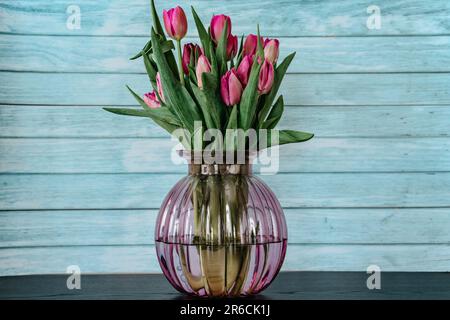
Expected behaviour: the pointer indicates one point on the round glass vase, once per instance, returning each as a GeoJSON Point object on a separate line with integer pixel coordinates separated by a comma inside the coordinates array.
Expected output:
{"type": "Point", "coordinates": [220, 232]}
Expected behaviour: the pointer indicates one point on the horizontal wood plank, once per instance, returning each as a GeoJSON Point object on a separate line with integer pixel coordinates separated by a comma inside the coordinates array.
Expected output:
{"type": "Point", "coordinates": [140, 259]}
{"type": "Point", "coordinates": [314, 55]}
{"type": "Point", "coordinates": [357, 121]}
{"type": "Point", "coordinates": [305, 226]}
{"type": "Point", "coordinates": [299, 89]}
{"type": "Point", "coordinates": [292, 18]}
{"type": "Point", "coordinates": [300, 285]}
{"type": "Point", "coordinates": [160, 155]}
{"type": "Point", "coordinates": [322, 190]}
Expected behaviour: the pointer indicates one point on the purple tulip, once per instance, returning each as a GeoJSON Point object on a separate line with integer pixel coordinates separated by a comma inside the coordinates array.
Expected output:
{"type": "Point", "coordinates": [231, 88]}
{"type": "Point", "coordinates": [203, 65]}
{"type": "Point", "coordinates": [271, 50]}
{"type": "Point", "coordinates": [251, 44]}
{"type": "Point", "coordinates": [266, 77]}
{"type": "Point", "coordinates": [244, 69]}
{"type": "Point", "coordinates": [217, 25]}
{"type": "Point", "coordinates": [151, 100]}
{"type": "Point", "coordinates": [175, 23]}
{"type": "Point", "coordinates": [190, 48]}
{"type": "Point", "coordinates": [160, 88]}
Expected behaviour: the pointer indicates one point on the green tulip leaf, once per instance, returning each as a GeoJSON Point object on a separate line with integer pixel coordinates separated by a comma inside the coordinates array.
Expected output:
{"type": "Point", "coordinates": [233, 119]}
{"type": "Point", "coordinates": [280, 71]}
{"type": "Point", "coordinates": [147, 48]}
{"type": "Point", "coordinates": [162, 113]}
{"type": "Point", "coordinates": [177, 97]}
{"type": "Point", "coordinates": [288, 136]}
{"type": "Point", "coordinates": [214, 63]}
{"type": "Point", "coordinates": [192, 75]}
{"type": "Point", "coordinates": [160, 32]}
{"type": "Point", "coordinates": [166, 45]}
{"type": "Point", "coordinates": [275, 114]}
{"type": "Point", "coordinates": [158, 116]}
{"type": "Point", "coordinates": [221, 51]}
{"type": "Point", "coordinates": [230, 132]}
{"type": "Point", "coordinates": [203, 34]}
{"type": "Point", "coordinates": [151, 71]}
{"type": "Point", "coordinates": [250, 98]}
{"type": "Point", "coordinates": [156, 22]}
{"type": "Point", "coordinates": [260, 47]}
{"type": "Point", "coordinates": [210, 104]}
{"type": "Point", "coordinates": [240, 52]}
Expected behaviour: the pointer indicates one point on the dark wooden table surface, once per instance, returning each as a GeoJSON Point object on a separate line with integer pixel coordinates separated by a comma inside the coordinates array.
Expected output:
{"type": "Point", "coordinates": [287, 286]}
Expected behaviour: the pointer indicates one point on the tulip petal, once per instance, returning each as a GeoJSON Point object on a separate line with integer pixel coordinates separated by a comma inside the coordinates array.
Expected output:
{"type": "Point", "coordinates": [244, 69]}
{"type": "Point", "coordinates": [266, 77]}
{"type": "Point", "coordinates": [179, 23]}
{"type": "Point", "coordinates": [203, 65]}
{"type": "Point", "coordinates": [167, 22]}
{"type": "Point", "coordinates": [217, 26]}
{"type": "Point", "coordinates": [234, 88]}
{"type": "Point", "coordinates": [224, 90]}
{"type": "Point", "coordinates": [175, 23]}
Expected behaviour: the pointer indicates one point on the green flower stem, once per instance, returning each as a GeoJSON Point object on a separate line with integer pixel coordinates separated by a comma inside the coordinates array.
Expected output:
{"type": "Point", "coordinates": [214, 216]}
{"type": "Point", "coordinates": [198, 207]}
{"type": "Point", "coordinates": [180, 62]}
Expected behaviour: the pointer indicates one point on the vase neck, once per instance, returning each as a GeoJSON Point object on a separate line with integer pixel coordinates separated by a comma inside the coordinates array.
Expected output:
{"type": "Point", "coordinates": [220, 169]}
{"type": "Point", "coordinates": [205, 163]}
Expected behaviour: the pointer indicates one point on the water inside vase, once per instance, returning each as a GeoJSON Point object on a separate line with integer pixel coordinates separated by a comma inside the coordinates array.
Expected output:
{"type": "Point", "coordinates": [221, 270]}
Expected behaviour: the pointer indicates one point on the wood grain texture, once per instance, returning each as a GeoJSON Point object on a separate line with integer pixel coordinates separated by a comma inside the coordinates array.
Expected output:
{"type": "Point", "coordinates": [357, 121]}
{"type": "Point", "coordinates": [305, 226]}
{"type": "Point", "coordinates": [297, 286]}
{"type": "Point", "coordinates": [159, 155]}
{"type": "Point", "coordinates": [142, 259]}
{"type": "Point", "coordinates": [314, 55]}
{"type": "Point", "coordinates": [293, 18]}
{"type": "Point", "coordinates": [299, 89]}
{"type": "Point", "coordinates": [321, 190]}
{"type": "Point", "coordinates": [372, 188]}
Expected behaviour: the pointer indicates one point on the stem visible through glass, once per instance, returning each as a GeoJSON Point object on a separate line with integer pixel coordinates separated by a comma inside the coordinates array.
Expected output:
{"type": "Point", "coordinates": [180, 62]}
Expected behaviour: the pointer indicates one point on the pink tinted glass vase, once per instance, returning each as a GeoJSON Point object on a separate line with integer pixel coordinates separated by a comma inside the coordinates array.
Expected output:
{"type": "Point", "coordinates": [220, 232]}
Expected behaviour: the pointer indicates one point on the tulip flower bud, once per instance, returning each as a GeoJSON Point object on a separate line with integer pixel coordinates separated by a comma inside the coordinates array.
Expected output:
{"type": "Point", "coordinates": [160, 88]}
{"type": "Point", "coordinates": [175, 23]}
{"type": "Point", "coordinates": [251, 44]}
{"type": "Point", "coordinates": [244, 69]}
{"type": "Point", "coordinates": [271, 50]}
{"type": "Point", "coordinates": [151, 100]}
{"type": "Point", "coordinates": [188, 50]}
{"type": "Point", "coordinates": [217, 25]}
{"type": "Point", "coordinates": [203, 65]}
{"type": "Point", "coordinates": [266, 77]}
{"type": "Point", "coordinates": [232, 47]}
{"type": "Point", "coordinates": [231, 88]}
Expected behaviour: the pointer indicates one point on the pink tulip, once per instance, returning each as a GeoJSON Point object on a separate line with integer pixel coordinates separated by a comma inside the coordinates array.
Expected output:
{"type": "Point", "coordinates": [160, 88]}
{"type": "Point", "coordinates": [151, 100]}
{"type": "Point", "coordinates": [271, 50]}
{"type": "Point", "coordinates": [232, 47]}
{"type": "Point", "coordinates": [231, 88]}
{"type": "Point", "coordinates": [190, 48]}
{"type": "Point", "coordinates": [175, 23]}
{"type": "Point", "coordinates": [203, 65]}
{"type": "Point", "coordinates": [251, 44]}
{"type": "Point", "coordinates": [217, 25]}
{"type": "Point", "coordinates": [266, 77]}
{"type": "Point", "coordinates": [244, 69]}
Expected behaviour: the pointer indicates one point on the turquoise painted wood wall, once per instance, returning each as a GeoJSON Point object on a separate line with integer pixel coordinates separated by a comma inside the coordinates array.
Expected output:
{"type": "Point", "coordinates": [81, 186]}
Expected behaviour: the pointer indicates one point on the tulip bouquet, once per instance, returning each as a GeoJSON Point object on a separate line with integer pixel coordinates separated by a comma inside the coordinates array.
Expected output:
{"type": "Point", "coordinates": [219, 84]}
{"type": "Point", "coordinates": [225, 85]}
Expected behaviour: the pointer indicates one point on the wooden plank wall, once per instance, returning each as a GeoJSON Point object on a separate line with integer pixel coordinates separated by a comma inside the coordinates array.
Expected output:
{"type": "Point", "coordinates": [81, 186]}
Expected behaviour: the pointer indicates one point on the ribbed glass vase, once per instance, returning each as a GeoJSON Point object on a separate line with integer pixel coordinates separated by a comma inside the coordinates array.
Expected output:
{"type": "Point", "coordinates": [220, 232]}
